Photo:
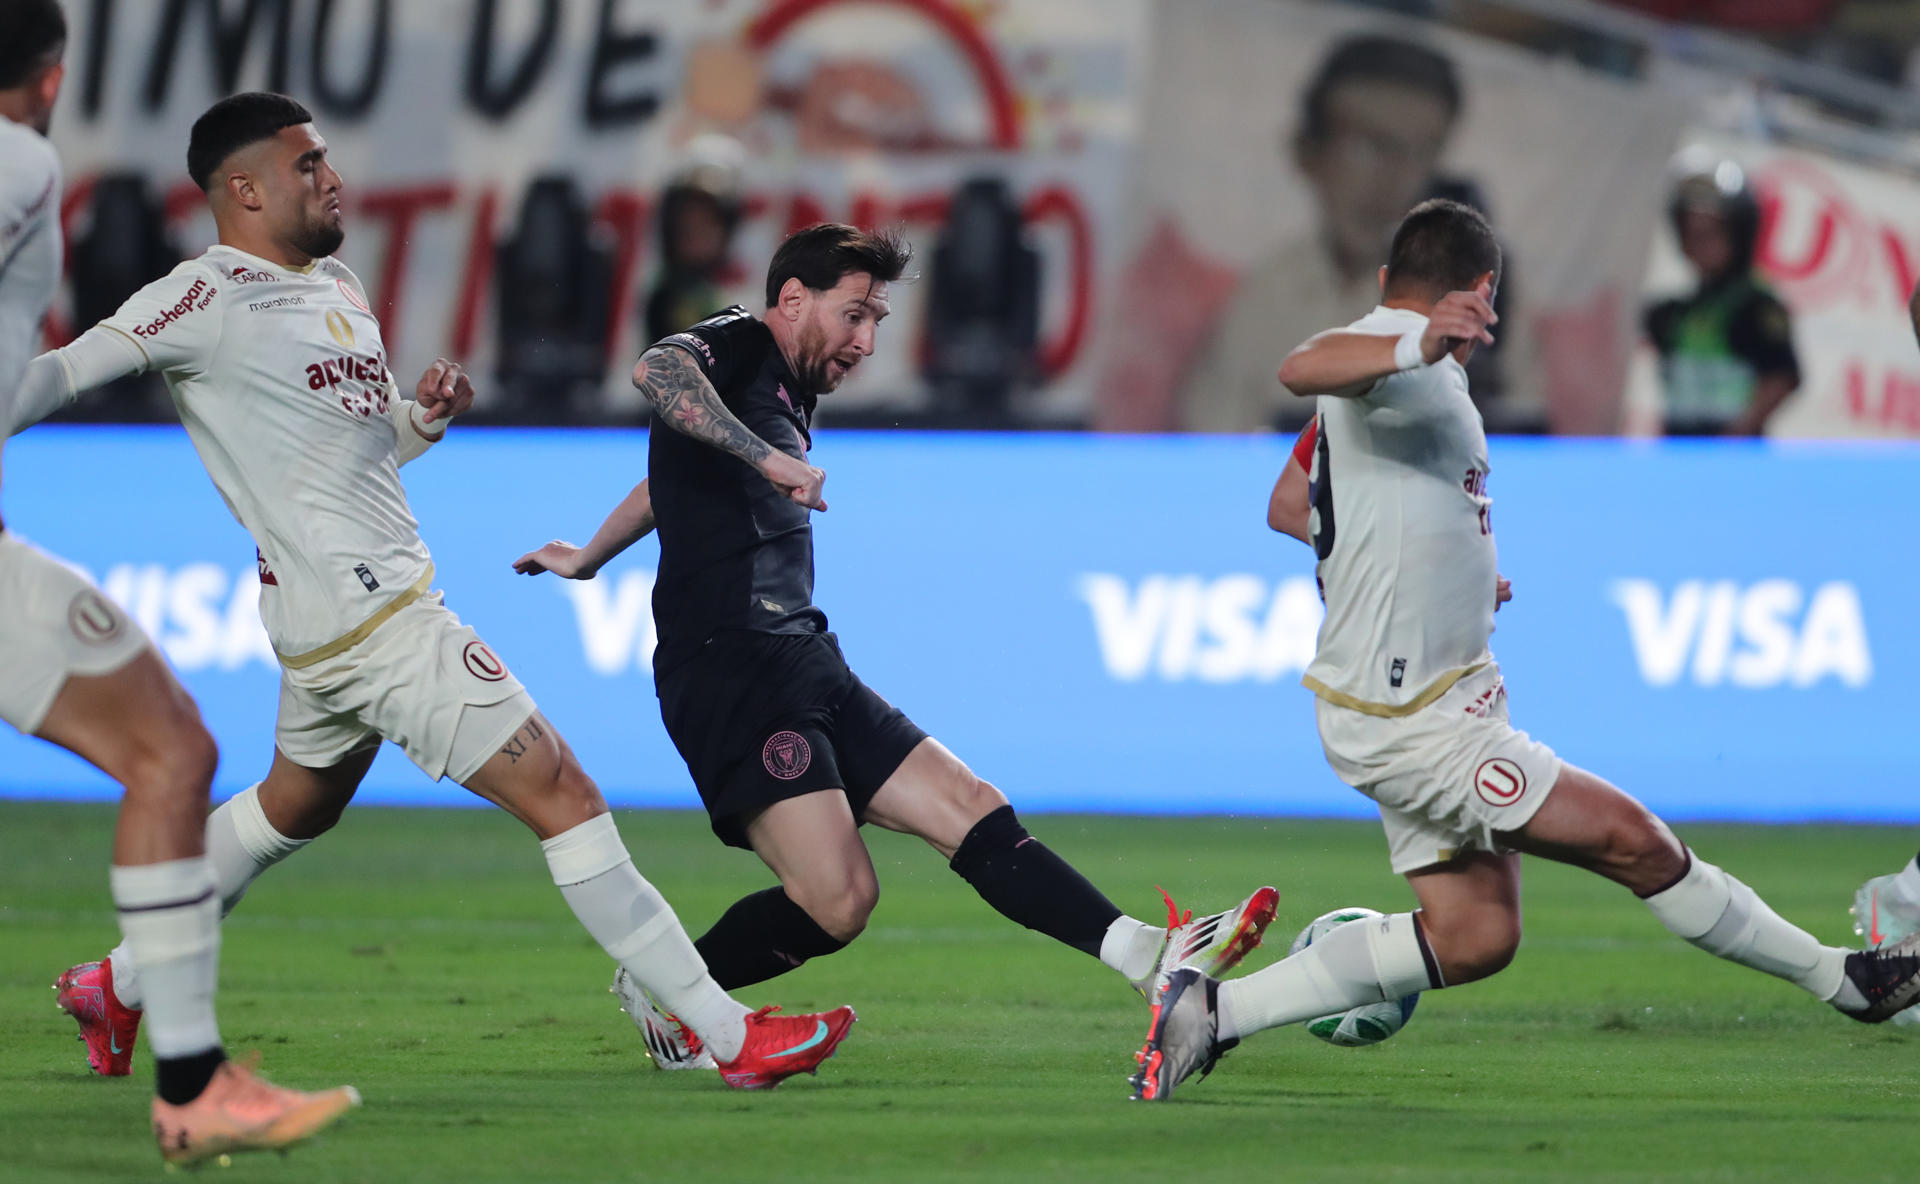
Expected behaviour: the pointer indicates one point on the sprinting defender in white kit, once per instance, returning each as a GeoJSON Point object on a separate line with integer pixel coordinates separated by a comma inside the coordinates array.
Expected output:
{"type": "Point", "coordinates": [1413, 712]}
{"type": "Point", "coordinates": [278, 370]}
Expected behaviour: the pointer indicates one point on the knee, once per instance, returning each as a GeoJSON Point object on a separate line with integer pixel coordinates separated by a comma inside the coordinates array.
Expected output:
{"type": "Point", "coordinates": [1475, 946]}
{"type": "Point", "coordinates": [976, 798]}
{"type": "Point", "coordinates": [1642, 853]}
{"type": "Point", "coordinates": [178, 764]}
{"type": "Point", "coordinates": [843, 908]}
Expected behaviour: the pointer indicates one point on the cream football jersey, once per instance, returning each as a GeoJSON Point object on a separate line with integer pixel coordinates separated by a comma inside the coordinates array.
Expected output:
{"type": "Point", "coordinates": [29, 251]}
{"type": "Point", "coordinates": [1401, 526]}
{"type": "Point", "coordinates": [281, 380]}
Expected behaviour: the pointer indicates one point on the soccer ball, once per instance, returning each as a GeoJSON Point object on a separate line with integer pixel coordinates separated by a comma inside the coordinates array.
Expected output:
{"type": "Point", "coordinates": [1357, 1027]}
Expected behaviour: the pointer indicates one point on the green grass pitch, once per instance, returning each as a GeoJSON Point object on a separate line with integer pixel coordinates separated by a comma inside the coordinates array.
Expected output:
{"type": "Point", "coordinates": [424, 957]}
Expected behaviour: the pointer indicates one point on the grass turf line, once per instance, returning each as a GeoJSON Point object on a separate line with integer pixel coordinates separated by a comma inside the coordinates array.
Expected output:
{"type": "Point", "coordinates": [426, 958]}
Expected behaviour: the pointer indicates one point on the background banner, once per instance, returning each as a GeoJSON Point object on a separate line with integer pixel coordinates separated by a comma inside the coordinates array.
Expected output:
{"type": "Point", "coordinates": [444, 114]}
{"type": "Point", "coordinates": [1840, 244]}
{"type": "Point", "coordinates": [1105, 623]}
{"type": "Point", "coordinates": [1262, 209]}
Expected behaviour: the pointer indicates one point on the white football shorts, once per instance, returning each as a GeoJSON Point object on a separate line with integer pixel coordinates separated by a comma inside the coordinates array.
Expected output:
{"type": "Point", "coordinates": [1447, 777]}
{"type": "Point", "coordinates": [53, 625]}
{"type": "Point", "coordinates": [422, 680]}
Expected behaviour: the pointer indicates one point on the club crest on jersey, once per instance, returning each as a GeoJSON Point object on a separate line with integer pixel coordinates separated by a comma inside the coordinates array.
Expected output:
{"type": "Point", "coordinates": [1499, 782]}
{"type": "Point", "coordinates": [338, 326]}
{"type": "Point", "coordinates": [482, 662]}
{"type": "Point", "coordinates": [786, 755]}
{"type": "Point", "coordinates": [353, 297]}
{"type": "Point", "coordinates": [93, 618]}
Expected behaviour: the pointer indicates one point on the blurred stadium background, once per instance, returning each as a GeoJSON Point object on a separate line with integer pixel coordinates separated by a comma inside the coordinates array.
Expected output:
{"type": "Point", "coordinates": [1126, 210]}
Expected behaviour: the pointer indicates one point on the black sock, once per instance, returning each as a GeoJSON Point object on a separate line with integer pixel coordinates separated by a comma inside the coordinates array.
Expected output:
{"type": "Point", "coordinates": [761, 937]}
{"type": "Point", "coordinates": [1016, 874]}
{"type": "Point", "coordinates": [179, 1080]}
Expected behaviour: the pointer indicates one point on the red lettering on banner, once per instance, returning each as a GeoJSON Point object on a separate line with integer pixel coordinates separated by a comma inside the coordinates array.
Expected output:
{"type": "Point", "coordinates": [402, 209]}
{"type": "Point", "coordinates": [1891, 404]}
{"type": "Point", "coordinates": [478, 279]}
{"type": "Point", "coordinates": [624, 214]}
{"type": "Point", "coordinates": [1898, 262]}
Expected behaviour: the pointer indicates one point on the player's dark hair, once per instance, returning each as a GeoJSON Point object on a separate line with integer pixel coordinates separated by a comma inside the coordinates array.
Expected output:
{"type": "Point", "coordinates": [823, 254]}
{"type": "Point", "coordinates": [1375, 58]}
{"type": "Point", "coordinates": [235, 122]}
{"type": "Point", "coordinates": [33, 35]}
{"type": "Point", "coordinates": [1442, 246]}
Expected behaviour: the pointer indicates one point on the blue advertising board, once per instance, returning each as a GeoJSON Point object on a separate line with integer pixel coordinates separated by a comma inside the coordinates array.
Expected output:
{"type": "Point", "coordinates": [1105, 623]}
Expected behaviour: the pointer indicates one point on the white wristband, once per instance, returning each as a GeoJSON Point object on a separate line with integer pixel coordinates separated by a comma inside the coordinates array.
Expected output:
{"type": "Point", "coordinates": [426, 430]}
{"type": "Point", "coordinates": [1407, 352]}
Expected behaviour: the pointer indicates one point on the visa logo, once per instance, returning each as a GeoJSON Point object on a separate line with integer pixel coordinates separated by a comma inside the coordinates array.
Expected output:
{"type": "Point", "coordinates": [615, 619]}
{"type": "Point", "coordinates": [1216, 629]}
{"type": "Point", "coordinates": [201, 615]}
{"type": "Point", "coordinates": [1767, 634]}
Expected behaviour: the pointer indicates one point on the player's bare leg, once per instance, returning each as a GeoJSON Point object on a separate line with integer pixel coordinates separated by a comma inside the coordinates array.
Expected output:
{"type": "Point", "coordinates": [254, 830]}
{"type": "Point", "coordinates": [139, 726]}
{"type": "Point", "coordinates": [1588, 822]}
{"type": "Point", "coordinates": [536, 778]}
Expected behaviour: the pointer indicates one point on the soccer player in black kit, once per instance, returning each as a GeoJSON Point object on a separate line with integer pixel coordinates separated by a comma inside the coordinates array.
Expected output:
{"type": "Point", "coordinates": [790, 751]}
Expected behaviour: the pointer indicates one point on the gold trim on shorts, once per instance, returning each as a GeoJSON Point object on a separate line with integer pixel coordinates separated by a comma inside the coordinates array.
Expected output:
{"type": "Point", "coordinates": [363, 630]}
{"type": "Point", "coordinates": [1435, 689]}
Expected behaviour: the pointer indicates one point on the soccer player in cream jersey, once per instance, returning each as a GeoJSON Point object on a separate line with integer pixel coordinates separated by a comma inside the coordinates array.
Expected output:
{"type": "Point", "coordinates": [282, 382]}
{"type": "Point", "coordinates": [79, 674]}
{"type": "Point", "coordinates": [1412, 709]}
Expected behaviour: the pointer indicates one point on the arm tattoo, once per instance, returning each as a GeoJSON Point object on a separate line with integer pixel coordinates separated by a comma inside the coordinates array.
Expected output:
{"type": "Point", "coordinates": [687, 403]}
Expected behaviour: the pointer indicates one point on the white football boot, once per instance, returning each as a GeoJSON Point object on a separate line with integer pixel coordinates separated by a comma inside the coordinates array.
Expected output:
{"type": "Point", "coordinates": [670, 1043]}
{"type": "Point", "coordinates": [1214, 944]}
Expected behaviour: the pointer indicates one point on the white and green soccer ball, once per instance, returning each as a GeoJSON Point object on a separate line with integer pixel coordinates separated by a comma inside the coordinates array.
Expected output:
{"type": "Point", "coordinates": [1357, 1027]}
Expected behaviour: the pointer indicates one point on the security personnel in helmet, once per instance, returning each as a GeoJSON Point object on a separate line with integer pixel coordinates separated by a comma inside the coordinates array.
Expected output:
{"type": "Point", "coordinates": [1726, 351]}
{"type": "Point", "coordinates": [699, 214]}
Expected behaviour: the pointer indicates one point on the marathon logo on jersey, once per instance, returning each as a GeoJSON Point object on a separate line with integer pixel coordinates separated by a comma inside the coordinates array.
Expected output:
{"type": "Point", "coordinates": [1214, 629]}
{"type": "Point", "coordinates": [1772, 633]}
{"type": "Point", "coordinates": [276, 302]}
{"type": "Point", "coordinates": [366, 577]}
{"type": "Point", "coordinates": [198, 297]}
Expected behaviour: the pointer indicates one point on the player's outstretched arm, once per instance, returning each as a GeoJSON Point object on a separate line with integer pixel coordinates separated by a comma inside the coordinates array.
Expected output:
{"type": "Point", "coordinates": [630, 521]}
{"type": "Point", "coordinates": [1346, 363]}
{"type": "Point", "coordinates": [58, 377]}
{"type": "Point", "coordinates": [686, 402]}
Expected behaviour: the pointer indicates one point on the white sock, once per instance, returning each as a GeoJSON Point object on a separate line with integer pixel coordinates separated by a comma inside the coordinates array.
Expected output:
{"type": "Point", "coordinates": [1132, 947]}
{"type": "Point", "coordinates": [1716, 912]}
{"type": "Point", "coordinates": [241, 844]}
{"type": "Point", "coordinates": [634, 924]}
{"type": "Point", "coordinates": [1368, 961]}
{"type": "Point", "coordinates": [171, 918]}
{"type": "Point", "coordinates": [1908, 881]}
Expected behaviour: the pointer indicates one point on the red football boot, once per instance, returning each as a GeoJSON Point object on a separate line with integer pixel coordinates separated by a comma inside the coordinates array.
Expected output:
{"type": "Point", "coordinates": [107, 1026]}
{"type": "Point", "coordinates": [778, 1046]}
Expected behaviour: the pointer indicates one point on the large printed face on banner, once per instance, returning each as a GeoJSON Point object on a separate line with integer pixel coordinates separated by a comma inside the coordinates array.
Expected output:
{"type": "Point", "coordinates": [508, 166]}
{"type": "Point", "coordinates": [1265, 208]}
